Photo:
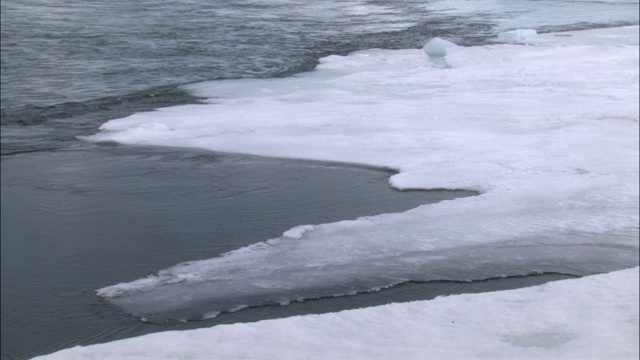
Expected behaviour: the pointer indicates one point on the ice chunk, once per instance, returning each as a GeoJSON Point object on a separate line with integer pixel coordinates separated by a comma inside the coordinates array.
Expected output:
{"type": "Point", "coordinates": [297, 232]}
{"type": "Point", "coordinates": [436, 49]}
{"type": "Point", "coordinates": [519, 36]}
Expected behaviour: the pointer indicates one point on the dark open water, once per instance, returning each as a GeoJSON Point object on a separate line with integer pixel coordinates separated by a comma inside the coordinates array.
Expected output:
{"type": "Point", "coordinates": [77, 217]}
{"type": "Point", "coordinates": [76, 220]}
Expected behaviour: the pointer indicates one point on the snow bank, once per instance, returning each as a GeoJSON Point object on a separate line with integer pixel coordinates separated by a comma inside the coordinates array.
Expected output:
{"type": "Point", "coordinates": [594, 317]}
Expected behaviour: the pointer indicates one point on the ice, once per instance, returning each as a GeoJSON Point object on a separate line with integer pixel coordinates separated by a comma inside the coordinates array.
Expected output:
{"type": "Point", "coordinates": [595, 317]}
{"type": "Point", "coordinates": [548, 133]}
{"type": "Point", "coordinates": [436, 49]}
{"type": "Point", "coordinates": [540, 14]}
{"type": "Point", "coordinates": [517, 36]}
{"type": "Point", "coordinates": [609, 36]}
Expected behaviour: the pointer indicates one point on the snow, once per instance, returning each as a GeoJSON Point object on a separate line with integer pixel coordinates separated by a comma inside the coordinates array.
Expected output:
{"type": "Point", "coordinates": [594, 317]}
{"type": "Point", "coordinates": [547, 132]}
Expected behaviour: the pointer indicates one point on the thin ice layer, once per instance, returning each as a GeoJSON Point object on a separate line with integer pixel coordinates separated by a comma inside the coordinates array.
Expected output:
{"type": "Point", "coordinates": [548, 132]}
{"type": "Point", "coordinates": [595, 317]}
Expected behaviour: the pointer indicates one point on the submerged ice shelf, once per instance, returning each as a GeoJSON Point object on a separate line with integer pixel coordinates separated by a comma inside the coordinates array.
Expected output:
{"type": "Point", "coordinates": [547, 132]}
{"type": "Point", "coordinates": [191, 291]}
{"type": "Point", "coordinates": [170, 301]}
{"type": "Point", "coordinates": [595, 317]}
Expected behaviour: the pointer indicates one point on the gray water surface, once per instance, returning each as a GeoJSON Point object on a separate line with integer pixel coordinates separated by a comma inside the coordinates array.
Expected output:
{"type": "Point", "coordinates": [74, 221]}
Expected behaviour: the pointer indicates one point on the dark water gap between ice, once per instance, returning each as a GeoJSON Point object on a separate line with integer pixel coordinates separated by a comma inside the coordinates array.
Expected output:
{"type": "Point", "coordinates": [88, 216]}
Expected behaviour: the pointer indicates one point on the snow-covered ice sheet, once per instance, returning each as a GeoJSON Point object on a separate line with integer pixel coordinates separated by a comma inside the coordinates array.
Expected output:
{"type": "Point", "coordinates": [547, 132]}
{"type": "Point", "coordinates": [595, 317]}
{"type": "Point", "coordinates": [545, 14]}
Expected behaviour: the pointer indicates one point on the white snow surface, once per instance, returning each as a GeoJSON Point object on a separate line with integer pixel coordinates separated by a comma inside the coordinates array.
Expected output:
{"type": "Point", "coordinates": [595, 317]}
{"type": "Point", "coordinates": [547, 132]}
